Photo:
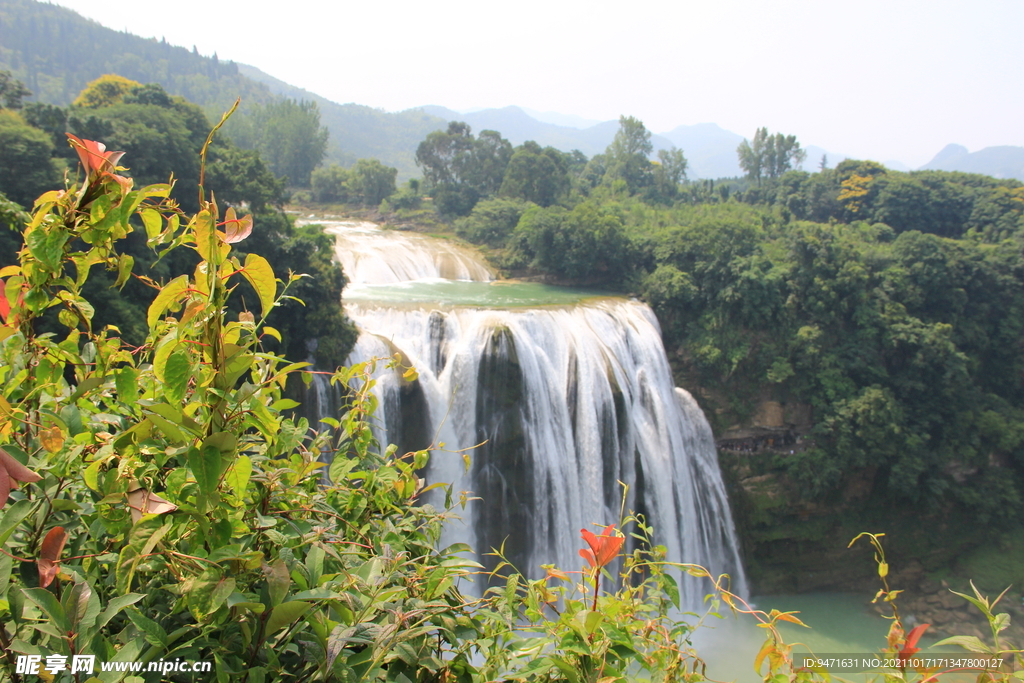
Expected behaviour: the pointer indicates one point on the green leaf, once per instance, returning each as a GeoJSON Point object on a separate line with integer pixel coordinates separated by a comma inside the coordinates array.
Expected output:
{"type": "Point", "coordinates": [317, 594]}
{"type": "Point", "coordinates": [205, 466]}
{"type": "Point", "coordinates": [1001, 622]}
{"type": "Point", "coordinates": [5, 573]}
{"type": "Point", "coordinates": [260, 275]}
{"type": "Point", "coordinates": [49, 604]}
{"type": "Point", "coordinates": [115, 606]}
{"type": "Point", "coordinates": [971, 643]}
{"type": "Point", "coordinates": [278, 580]}
{"type": "Point", "coordinates": [169, 430]}
{"type": "Point", "coordinates": [238, 475]}
{"type": "Point", "coordinates": [12, 517]}
{"type": "Point", "coordinates": [315, 564]}
{"type": "Point", "coordinates": [177, 373]}
{"type": "Point", "coordinates": [143, 538]}
{"type": "Point", "coordinates": [206, 238]}
{"type": "Point", "coordinates": [47, 247]}
{"type": "Point", "coordinates": [130, 652]}
{"type": "Point", "coordinates": [208, 591]}
{"type": "Point", "coordinates": [153, 632]}
{"type": "Point", "coordinates": [284, 614]}
{"type": "Point", "coordinates": [170, 294]}
{"type": "Point", "coordinates": [125, 262]}
{"type": "Point", "coordinates": [153, 222]}
{"type": "Point", "coordinates": [671, 589]}
{"type": "Point", "coordinates": [85, 386]}
{"type": "Point", "coordinates": [76, 602]}
{"type": "Point", "coordinates": [126, 380]}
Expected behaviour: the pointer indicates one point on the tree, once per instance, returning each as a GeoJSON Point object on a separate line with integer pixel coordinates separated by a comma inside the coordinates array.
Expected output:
{"type": "Point", "coordinates": [241, 176]}
{"type": "Point", "coordinates": [669, 172]}
{"type": "Point", "coordinates": [770, 155]}
{"type": "Point", "coordinates": [628, 155]}
{"type": "Point", "coordinates": [12, 91]}
{"type": "Point", "coordinates": [373, 181]}
{"type": "Point", "coordinates": [290, 139]}
{"type": "Point", "coordinates": [443, 156]}
{"type": "Point", "coordinates": [50, 118]}
{"type": "Point", "coordinates": [330, 184]}
{"type": "Point", "coordinates": [105, 91]}
{"type": "Point", "coordinates": [460, 169]}
{"type": "Point", "coordinates": [26, 170]}
{"type": "Point", "coordinates": [490, 158]}
{"type": "Point", "coordinates": [535, 175]}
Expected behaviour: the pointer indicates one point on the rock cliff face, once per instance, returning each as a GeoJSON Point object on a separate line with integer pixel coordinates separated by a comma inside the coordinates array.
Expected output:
{"type": "Point", "coordinates": [792, 543]}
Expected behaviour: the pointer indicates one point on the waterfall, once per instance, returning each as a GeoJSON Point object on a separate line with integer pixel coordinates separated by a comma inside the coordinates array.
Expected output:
{"type": "Point", "coordinates": [567, 401]}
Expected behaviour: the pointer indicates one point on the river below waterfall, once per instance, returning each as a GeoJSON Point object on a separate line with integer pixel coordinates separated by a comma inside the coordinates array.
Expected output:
{"type": "Point", "coordinates": [570, 393]}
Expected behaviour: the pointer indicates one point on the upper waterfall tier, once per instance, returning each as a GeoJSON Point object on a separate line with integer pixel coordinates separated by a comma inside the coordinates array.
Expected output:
{"type": "Point", "coordinates": [371, 256]}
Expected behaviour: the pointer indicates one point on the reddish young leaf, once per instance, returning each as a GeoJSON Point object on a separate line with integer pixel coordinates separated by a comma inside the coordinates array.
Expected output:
{"type": "Point", "coordinates": [94, 155]}
{"type": "Point", "coordinates": [915, 635]}
{"type": "Point", "coordinates": [5, 306]}
{"type": "Point", "coordinates": [236, 229]}
{"type": "Point", "coordinates": [603, 549]}
{"type": "Point", "coordinates": [5, 486]}
{"type": "Point", "coordinates": [11, 471]}
{"type": "Point", "coordinates": [49, 555]}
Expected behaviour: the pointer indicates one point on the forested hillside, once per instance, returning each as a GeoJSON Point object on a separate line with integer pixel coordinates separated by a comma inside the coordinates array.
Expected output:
{"type": "Point", "coordinates": [56, 53]}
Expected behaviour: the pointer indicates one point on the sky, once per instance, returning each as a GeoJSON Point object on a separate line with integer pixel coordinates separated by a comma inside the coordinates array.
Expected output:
{"type": "Point", "coordinates": [875, 79]}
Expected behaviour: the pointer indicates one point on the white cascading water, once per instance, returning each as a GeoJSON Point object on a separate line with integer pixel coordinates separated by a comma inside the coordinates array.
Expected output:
{"type": "Point", "coordinates": [571, 400]}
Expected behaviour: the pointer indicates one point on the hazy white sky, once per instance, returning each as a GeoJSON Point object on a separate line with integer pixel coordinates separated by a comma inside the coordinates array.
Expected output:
{"type": "Point", "coordinates": [878, 79]}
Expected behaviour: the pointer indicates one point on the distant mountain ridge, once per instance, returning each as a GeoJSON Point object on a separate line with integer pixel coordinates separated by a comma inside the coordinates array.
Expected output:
{"type": "Point", "coordinates": [710, 150]}
{"type": "Point", "coordinates": [1003, 161]}
{"type": "Point", "coordinates": [56, 52]}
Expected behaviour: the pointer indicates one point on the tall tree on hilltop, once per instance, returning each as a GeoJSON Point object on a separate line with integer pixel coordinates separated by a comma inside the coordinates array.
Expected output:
{"type": "Point", "coordinates": [669, 172]}
{"type": "Point", "coordinates": [769, 156]}
{"type": "Point", "coordinates": [628, 155]}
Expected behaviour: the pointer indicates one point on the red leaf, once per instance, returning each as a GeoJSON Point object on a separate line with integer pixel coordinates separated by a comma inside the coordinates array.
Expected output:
{"type": "Point", "coordinates": [911, 645]}
{"type": "Point", "coordinates": [5, 486]}
{"type": "Point", "coordinates": [11, 471]}
{"type": "Point", "coordinates": [603, 548]}
{"type": "Point", "coordinates": [5, 306]}
{"type": "Point", "coordinates": [236, 229]}
{"type": "Point", "coordinates": [49, 555]}
{"type": "Point", "coordinates": [94, 155]}
{"type": "Point", "coordinates": [17, 471]}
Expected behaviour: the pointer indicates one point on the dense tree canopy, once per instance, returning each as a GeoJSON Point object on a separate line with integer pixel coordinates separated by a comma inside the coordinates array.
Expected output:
{"type": "Point", "coordinates": [459, 168]}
